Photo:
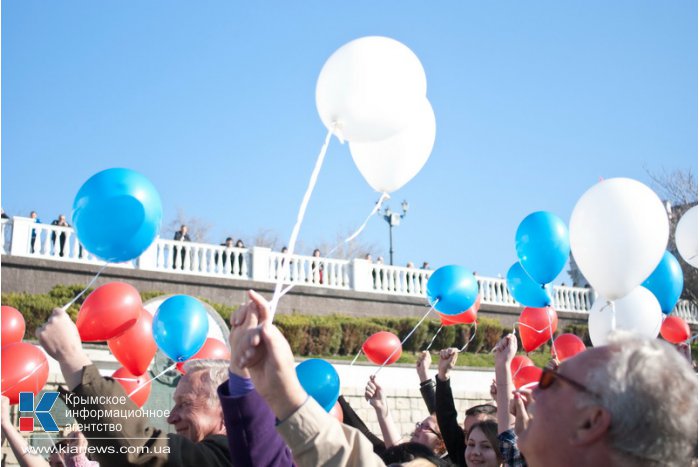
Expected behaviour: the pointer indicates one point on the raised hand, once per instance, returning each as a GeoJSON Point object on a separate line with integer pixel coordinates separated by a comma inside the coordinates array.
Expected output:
{"type": "Point", "coordinates": [423, 365]}
{"type": "Point", "coordinates": [505, 350]}
{"type": "Point", "coordinates": [265, 353]}
{"type": "Point", "coordinates": [448, 358]}
{"type": "Point", "coordinates": [375, 396]}
{"type": "Point", "coordinates": [61, 340]}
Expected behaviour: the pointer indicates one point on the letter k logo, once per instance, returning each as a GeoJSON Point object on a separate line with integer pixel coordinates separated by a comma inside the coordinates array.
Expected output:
{"type": "Point", "coordinates": [26, 404]}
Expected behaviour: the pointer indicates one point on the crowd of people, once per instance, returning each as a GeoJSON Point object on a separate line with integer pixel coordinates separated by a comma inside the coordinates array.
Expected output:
{"type": "Point", "coordinates": [630, 403]}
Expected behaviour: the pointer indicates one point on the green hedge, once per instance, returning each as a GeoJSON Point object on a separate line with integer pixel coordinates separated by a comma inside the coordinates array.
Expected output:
{"type": "Point", "coordinates": [326, 336]}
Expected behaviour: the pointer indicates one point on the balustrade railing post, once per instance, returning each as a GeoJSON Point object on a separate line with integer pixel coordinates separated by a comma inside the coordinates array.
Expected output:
{"type": "Point", "coordinates": [149, 258]}
{"type": "Point", "coordinates": [260, 263]}
{"type": "Point", "coordinates": [361, 275]}
{"type": "Point", "coordinates": [21, 235]}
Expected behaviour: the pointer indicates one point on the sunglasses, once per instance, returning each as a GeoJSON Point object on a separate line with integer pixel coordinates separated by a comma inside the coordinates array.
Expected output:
{"type": "Point", "coordinates": [425, 427]}
{"type": "Point", "coordinates": [549, 376]}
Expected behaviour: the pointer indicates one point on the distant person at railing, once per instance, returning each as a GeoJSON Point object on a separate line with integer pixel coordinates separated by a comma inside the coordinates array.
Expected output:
{"type": "Point", "coordinates": [61, 221]}
{"type": "Point", "coordinates": [426, 265]}
{"type": "Point", "coordinates": [3, 215]}
{"type": "Point", "coordinates": [316, 268]}
{"type": "Point", "coordinates": [182, 236]}
{"type": "Point", "coordinates": [34, 216]}
{"type": "Point", "coordinates": [227, 257]}
{"type": "Point", "coordinates": [410, 265]}
{"type": "Point", "coordinates": [380, 262]}
{"type": "Point", "coordinates": [283, 261]}
{"type": "Point", "coordinates": [240, 244]}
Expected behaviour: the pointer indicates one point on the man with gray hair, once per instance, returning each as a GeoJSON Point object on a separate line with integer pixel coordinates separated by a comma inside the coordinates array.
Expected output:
{"type": "Point", "coordinates": [633, 402]}
{"type": "Point", "coordinates": [100, 405]}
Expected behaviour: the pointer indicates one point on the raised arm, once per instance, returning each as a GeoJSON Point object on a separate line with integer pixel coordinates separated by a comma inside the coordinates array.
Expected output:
{"type": "Point", "coordinates": [375, 397]}
{"type": "Point", "coordinates": [314, 436]}
{"type": "Point", "coordinates": [505, 351]}
{"type": "Point", "coordinates": [97, 395]}
{"type": "Point", "coordinates": [427, 384]}
{"type": "Point", "coordinates": [446, 413]}
{"type": "Point", "coordinates": [250, 423]}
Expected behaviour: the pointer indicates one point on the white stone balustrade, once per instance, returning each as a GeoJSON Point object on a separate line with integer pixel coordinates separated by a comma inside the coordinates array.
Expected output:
{"type": "Point", "coordinates": [21, 236]}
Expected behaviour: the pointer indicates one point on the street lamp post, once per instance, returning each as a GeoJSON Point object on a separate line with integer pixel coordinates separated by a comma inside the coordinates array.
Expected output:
{"type": "Point", "coordinates": [393, 219]}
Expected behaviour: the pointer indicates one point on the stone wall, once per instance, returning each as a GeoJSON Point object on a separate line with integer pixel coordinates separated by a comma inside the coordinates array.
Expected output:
{"type": "Point", "coordinates": [21, 274]}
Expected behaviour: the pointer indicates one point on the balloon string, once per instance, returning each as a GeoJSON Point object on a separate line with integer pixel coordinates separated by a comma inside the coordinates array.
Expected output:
{"type": "Point", "coordinates": [316, 264]}
{"type": "Point", "coordinates": [36, 368]}
{"type": "Point", "coordinates": [377, 206]}
{"type": "Point", "coordinates": [405, 339]}
{"type": "Point", "coordinates": [613, 321]}
{"type": "Point", "coordinates": [156, 376]}
{"type": "Point", "coordinates": [464, 347]}
{"type": "Point", "coordinates": [65, 307]}
{"type": "Point", "coordinates": [300, 218]}
{"type": "Point", "coordinates": [551, 336]}
{"type": "Point", "coordinates": [538, 331]}
{"type": "Point", "coordinates": [356, 357]}
{"type": "Point", "coordinates": [433, 339]}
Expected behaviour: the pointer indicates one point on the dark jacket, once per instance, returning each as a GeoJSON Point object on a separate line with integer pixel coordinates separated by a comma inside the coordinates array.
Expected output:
{"type": "Point", "coordinates": [163, 449]}
{"type": "Point", "coordinates": [446, 413]}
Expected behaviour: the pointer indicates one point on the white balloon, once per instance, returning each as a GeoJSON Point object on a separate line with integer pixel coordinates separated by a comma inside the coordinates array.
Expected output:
{"type": "Point", "coordinates": [638, 312]}
{"type": "Point", "coordinates": [370, 88]}
{"type": "Point", "coordinates": [389, 164]}
{"type": "Point", "coordinates": [687, 236]}
{"type": "Point", "coordinates": [618, 233]}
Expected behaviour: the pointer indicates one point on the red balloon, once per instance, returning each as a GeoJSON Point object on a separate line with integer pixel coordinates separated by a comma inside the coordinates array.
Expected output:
{"type": "Point", "coordinates": [380, 345]}
{"type": "Point", "coordinates": [675, 330]}
{"type": "Point", "coordinates": [518, 362]}
{"type": "Point", "coordinates": [566, 346]}
{"type": "Point", "coordinates": [527, 375]}
{"type": "Point", "coordinates": [466, 317]}
{"type": "Point", "coordinates": [129, 382]}
{"type": "Point", "coordinates": [12, 325]}
{"type": "Point", "coordinates": [212, 349]}
{"type": "Point", "coordinates": [135, 348]}
{"type": "Point", "coordinates": [337, 412]}
{"type": "Point", "coordinates": [108, 312]}
{"type": "Point", "coordinates": [534, 326]}
{"type": "Point", "coordinates": [24, 369]}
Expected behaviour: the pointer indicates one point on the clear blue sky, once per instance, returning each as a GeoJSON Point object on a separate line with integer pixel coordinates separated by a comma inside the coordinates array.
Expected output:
{"type": "Point", "coordinates": [214, 101]}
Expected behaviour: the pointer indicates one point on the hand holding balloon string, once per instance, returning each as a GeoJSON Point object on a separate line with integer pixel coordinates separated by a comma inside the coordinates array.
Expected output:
{"type": "Point", "coordinates": [448, 359]}
{"type": "Point", "coordinates": [261, 349]}
{"type": "Point", "coordinates": [423, 365]}
{"type": "Point", "coordinates": [60, 339]}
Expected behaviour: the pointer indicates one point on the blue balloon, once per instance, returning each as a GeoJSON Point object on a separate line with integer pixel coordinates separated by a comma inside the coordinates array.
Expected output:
{"type": "Point", "coordinates": [320, 381]}
{"type": "Point", "coordinates": [542, 245]}
{"type": "Point", "coordinates": [525, 290]}
{"type": "Point", "coordinates": [452, 289]}
{"type": "Point", "coordinates": [180, 327]}
{"type": "Point", "coordinates": [117, 214]}
{"type": "Point", "coordinates": [666, 282]}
